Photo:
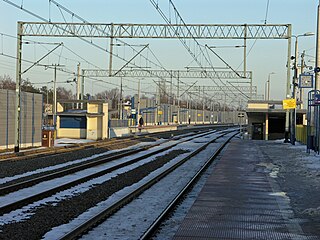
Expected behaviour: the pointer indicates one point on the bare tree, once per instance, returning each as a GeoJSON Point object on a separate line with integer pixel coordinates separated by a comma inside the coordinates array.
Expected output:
{"type": "Point", "coordinates": [27, 86]}
{"type": "Point", "coordinates": [113, 95]}
{"type": "Point", "coordinates": [6, 82]}
{"type": "Point", "coordinates": [63, 93]}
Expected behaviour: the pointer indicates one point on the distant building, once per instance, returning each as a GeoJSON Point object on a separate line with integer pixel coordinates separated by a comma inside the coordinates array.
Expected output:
{"type": "Point", "coordinates": [86, 119]}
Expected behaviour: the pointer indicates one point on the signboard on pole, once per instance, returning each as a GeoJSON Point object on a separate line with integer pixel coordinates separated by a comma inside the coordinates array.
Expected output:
{"type": "Point", "coordinates": [306, 80]}
{"type": "Point", "coordinates": [316, 100]}
{"type": "Point", "coordinates": [289, 103]}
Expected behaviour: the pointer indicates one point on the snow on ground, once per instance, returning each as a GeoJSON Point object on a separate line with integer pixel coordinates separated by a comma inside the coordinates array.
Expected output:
{"type": "Point", "coordinates": [60, 142]}
{"type": "Point", "coordinates": [132, 229]}
{"type": "Point", "coordinates": [8, 179]}
{"type": "Point", "coordinates": [68, 141]}
{"type": "Point", "coordinates": [25, 212]}
{"type": "Point", "coordinates": [310, 160]}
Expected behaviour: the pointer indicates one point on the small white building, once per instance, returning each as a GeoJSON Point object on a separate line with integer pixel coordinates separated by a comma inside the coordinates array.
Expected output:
{"type": "Point", "coordinates": [82, 119]}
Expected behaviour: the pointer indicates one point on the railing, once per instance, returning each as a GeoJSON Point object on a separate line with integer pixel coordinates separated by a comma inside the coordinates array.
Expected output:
{"type": "Point", "coordinates": [117, 123]}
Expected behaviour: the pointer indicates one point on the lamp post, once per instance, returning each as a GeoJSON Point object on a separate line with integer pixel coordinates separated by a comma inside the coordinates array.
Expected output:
{"type": "Point", "coordinates": [317, 74]}
{"type": "Point", "coordinates": [294, 84]}
{"type": "Point", "coordinates": [268, 81]}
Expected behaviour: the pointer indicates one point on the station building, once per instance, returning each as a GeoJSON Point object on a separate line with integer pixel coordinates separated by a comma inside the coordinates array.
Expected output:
{"type": "Point", "coordinates": [82, 119]}
{"type": "Point", "coordinates": [267, 119]}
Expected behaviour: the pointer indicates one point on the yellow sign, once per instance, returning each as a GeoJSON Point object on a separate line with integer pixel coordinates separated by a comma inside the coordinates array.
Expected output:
{"type": "Point", "coordinates": [160, 112]}
{"type": "Point", "coordinates": [199, 115]}
{"type": "Point", "coordinates": [289, 103]}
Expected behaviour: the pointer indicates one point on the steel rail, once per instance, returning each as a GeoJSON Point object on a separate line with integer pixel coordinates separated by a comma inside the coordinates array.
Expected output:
{"type": "Point", "coordinates": [37, 196]}
{"type": "Point", "coordinates": [58, 150]}
{"type": "Point", "coordinates": [8, 188]}
{"type": "Point", "coordinates": [102, 215]}
{"type": "Point", "coordinates": [14, 187]}
{"type": "Point", "coordinates": [73, 147]}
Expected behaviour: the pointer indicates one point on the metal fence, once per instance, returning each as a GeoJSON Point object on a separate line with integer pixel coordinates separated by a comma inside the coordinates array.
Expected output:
{"type": "Point", "coordinates": [31, 119]}
{"type": "Point", "coordinates": [118, 123]}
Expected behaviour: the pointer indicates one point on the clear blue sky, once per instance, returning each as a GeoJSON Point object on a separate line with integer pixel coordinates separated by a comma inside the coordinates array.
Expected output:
{"type": "Point", "coordinates": [266, 56]}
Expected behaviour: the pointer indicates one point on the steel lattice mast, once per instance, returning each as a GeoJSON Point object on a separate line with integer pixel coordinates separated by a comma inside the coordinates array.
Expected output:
{"type": "Point", "coordinates": [198, 31]}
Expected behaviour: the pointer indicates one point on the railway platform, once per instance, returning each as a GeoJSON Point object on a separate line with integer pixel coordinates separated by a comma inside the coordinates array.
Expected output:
{"type": "Point", "coordinates": [257, 190]}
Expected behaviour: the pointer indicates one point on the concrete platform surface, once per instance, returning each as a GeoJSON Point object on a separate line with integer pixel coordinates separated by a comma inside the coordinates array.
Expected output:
{"type": "Point", "coordinates": [258, 190]}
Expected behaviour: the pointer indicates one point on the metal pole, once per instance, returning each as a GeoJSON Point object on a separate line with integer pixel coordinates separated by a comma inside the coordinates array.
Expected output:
{"type": "Point", "coordinates": [171, 98]}
{"type": "Point", "coordinates": [287, 124]}
{"type": "Point", "coordinates": [78, 85]}
{"type": "Point", "coordinates": [294, 81]}
{"type": "Point", "coordinates": [18, 89]}
{"type": "Point", "coordinates": [266, 90]}
{"type": "Point", "coordinates": [138, 103]}
{"type": "Point", "coordinates": [245, 51]}
{"type": "Point", "coordinates": [55, 98]}
{"type": "Point", "coordinates": [111, 50]}
{"type": "Point", "coordinates": [251, 87]}
{"type": "Point", "coordinates": [188, 107]}
{"type": "Point", "coordinates": [156, 119]}
{"type": "Point", "coordinates": [178, 96]}
{"type": "Point", "coordinates": [317, 74]}
{"type": "Point", "coordinates": [203, 105]}
{"type": "Point", "coordinates": [317, 79]}
{"type": "Point", "coordinates": [269, 87]}
{"type": "Point", "coordinates": [120, 102]}
{"type": "Point", "coordinates": [82, 84]}
{"type": "Point", "coordinates": [224, 109]}
{"type": "Point", "coordinates": [301, 71]}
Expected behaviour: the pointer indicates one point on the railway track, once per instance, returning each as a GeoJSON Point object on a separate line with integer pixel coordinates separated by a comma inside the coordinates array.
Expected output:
{"type": "Point", "coordinates": [110, 143]}
{"type": "Point", "coordinates": [58, 174]}
{"type": "Point", "coordinates": [95, 220]}
{"type": "Point", "coordinates": [32, 194]}
{"type": "Point", "coordinates": [73, 168]}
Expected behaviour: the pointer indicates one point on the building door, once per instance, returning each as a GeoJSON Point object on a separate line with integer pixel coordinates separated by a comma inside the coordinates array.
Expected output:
{"type": "Point", "coordinates": [257, 133]}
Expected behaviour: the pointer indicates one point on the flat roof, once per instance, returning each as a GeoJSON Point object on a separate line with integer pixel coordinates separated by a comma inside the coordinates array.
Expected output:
{"type": "Point", "coordinates": [80, 114]}
{"type": "Point", "coordinates": [82, 101]}
{"type": "Point", "coordinates": [270, 110]}
{"type": "Point", "coordinates": [270, 101]}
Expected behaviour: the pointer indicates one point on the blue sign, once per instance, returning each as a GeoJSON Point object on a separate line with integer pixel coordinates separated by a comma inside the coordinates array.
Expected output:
{"type": "Point", "coordinates": [317, 99]}
{"type": "Point", "coordinates": [306, 80]}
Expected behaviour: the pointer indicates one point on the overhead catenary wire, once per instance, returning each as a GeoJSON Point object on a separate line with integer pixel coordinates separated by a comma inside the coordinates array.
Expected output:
{"type": "Point", "coordinates": [267, 10]}
{"type": "Point", "coordinates": [181, 21]}
{"type": "Point", "coordinates": [59, 69]}
{"type": "Point", "coordinates": [123, 42]}
{"type": "Point", "coordinates": [119, 40]}
{"type": "Point", "coordinates": [49, 21]}
{"type": "Point", "coordinates": [45, 20]}
{"type": "Point", "coordinates": [85, 40]}
{"type": "Point", "coordinates": [43, 44]}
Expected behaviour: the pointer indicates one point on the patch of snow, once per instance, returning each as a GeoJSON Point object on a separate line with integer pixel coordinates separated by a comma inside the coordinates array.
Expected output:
{"type": "Point", "coordinates": [8, 179]}
{"type": "Point", "coordinates": [25, 212]}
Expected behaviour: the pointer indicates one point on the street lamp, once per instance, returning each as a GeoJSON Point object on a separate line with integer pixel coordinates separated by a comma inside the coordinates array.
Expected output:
{"type": "Point", "coordinates": [294, 84]}
{"type": "Point", "coordinates": [268, 81]}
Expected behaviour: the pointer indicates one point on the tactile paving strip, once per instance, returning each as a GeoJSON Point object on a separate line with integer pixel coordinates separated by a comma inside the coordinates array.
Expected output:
{"type": "Point", "coordinates": [237, 202]}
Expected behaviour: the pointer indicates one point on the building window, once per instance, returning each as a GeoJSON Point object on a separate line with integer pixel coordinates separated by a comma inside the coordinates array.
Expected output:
{"type": "Point", "coordinates": [73, 122]}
